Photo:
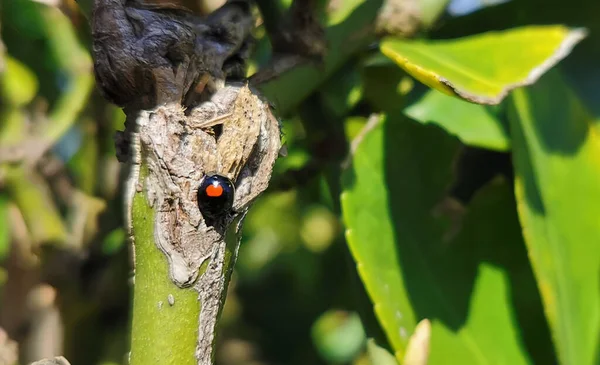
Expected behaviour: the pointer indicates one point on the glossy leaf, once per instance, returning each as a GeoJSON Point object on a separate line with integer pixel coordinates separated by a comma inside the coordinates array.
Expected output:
{"type": "Point", "coordinates": [474, 288]}
{"type": "Point", "coordinates": [475, 125]}
{"type": "Point", "coordinates": [483, 68]}
{"type": "Point", "coordinates": [580, 67]}
{"type": "Point", "coordinates": [556, 152]}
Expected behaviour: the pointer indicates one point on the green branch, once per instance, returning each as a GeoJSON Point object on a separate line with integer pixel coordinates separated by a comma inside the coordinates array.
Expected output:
{"type": "Point", "coordinates": [165, 316]}
{"type": "Point", "coordinates": [161, 331]}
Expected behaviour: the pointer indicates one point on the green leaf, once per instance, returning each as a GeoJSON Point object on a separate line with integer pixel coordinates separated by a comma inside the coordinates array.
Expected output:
{"type": "Point", "coordinates": [557, 182]}
{"type": "Point", "coordinates": [483, 68]}
{"type": "Point", "coordinates": [473, 124]}
{"type": "Point", "coordinates": [342, 91]}
{"type": "Point", "coordinates": [18, 84]}
{"type": "Point", "coordinates": [475, 289]}
{"type": "Point", "coordinates": [385, 85]}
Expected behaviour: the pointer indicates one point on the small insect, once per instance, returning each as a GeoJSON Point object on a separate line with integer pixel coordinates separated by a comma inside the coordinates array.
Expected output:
{"type": "Point", "coordinates": [215, 195]}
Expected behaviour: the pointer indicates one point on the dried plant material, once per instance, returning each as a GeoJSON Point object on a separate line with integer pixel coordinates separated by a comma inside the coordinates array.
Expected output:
{"type": "Point", "coordinates": [148, 54]}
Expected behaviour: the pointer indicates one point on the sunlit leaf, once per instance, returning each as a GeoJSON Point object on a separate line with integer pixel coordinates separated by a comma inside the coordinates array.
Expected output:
{"type": "Point", "coordinates": [475, 288]}
{"type": "Point", "coordinates": [18, 84]}
{"type": "Point", "coordinates": [556, 152]}
{"type": "Point", "coordinates": [483, 68]}
{"type": "Point", "coordinates": [473, 124]}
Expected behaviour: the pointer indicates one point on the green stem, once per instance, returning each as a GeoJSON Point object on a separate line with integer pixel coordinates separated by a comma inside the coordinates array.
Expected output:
{"type": "Point", "coordinates": [161, 332]}
{"type": "Point", "coordinates": [165, 317]}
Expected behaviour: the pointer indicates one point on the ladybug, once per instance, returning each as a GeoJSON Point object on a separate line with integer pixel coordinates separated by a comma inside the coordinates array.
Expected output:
{"type": "Point", "coordinates": [215, 196]}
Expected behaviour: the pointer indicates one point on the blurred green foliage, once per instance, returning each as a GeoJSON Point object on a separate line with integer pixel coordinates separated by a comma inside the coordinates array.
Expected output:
{"type": "Point", "coordinates": [363, 197]}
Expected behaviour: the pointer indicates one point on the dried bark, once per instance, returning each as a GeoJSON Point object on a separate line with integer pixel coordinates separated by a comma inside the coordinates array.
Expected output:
{"type": "Point", "coordinates": [147, 55]}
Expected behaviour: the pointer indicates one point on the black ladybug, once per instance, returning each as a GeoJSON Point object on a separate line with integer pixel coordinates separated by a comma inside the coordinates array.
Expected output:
{"type": "Point", "coordinates": [215, 196]}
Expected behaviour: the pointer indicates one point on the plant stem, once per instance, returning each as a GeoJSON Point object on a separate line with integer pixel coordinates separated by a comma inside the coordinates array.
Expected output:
{"type": "Point", "coordinates": [166, 317]}
{"type": "Point", "coordinates": [160, 331]}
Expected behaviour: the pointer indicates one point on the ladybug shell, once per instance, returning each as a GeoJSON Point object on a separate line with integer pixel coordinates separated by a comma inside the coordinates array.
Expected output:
{"type": "Point", "coordinates": [215, 196]}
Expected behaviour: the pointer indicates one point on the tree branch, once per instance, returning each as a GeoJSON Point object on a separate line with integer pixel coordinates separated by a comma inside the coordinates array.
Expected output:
{"type": "Point", "coordinates": [168, 70]}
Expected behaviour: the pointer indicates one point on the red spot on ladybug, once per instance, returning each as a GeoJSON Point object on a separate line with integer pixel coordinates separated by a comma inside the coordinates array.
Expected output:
{"type": "Point", "coordinates": [214, 190]}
